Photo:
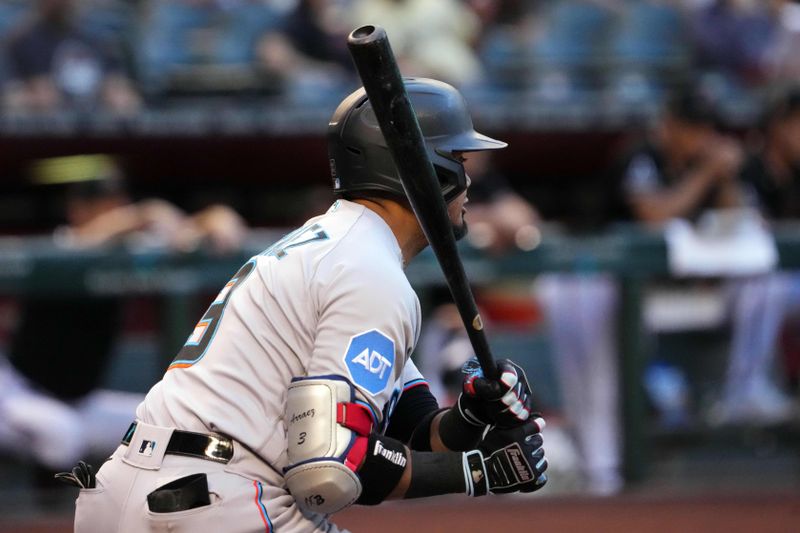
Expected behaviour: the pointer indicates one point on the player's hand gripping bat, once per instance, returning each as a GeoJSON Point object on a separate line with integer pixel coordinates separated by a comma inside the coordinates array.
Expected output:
{"type": "Point", "coordinates": [386, 91]}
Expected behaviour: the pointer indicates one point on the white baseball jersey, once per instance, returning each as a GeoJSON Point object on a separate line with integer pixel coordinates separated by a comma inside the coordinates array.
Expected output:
{"type": "Point", "coordinates": [330, 298]}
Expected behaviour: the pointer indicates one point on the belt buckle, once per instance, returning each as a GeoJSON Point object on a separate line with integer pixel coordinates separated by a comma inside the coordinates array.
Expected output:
{"type": "Point", "coordinates": [219, 449]}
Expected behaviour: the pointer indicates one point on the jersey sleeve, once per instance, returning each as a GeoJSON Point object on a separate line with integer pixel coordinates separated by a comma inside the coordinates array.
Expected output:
{"type": "Point", "coordinates": [411, 377]}
{"type": "Point", "coordinates": [368, 322]}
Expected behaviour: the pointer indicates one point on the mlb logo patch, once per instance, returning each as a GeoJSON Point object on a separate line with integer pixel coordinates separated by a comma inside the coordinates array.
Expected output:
{"type": "Point", "coordinates": [147, 448]}
{"type": "Point", "coordinates": [370, 360]}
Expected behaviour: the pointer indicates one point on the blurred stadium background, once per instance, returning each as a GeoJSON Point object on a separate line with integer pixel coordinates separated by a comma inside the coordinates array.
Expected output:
{"type": "Point", "coordinates": [204, 102]}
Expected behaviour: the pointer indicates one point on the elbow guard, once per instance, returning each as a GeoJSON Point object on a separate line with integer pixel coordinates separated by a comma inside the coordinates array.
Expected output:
{"type": "Point", "coordinates": [335, 459]}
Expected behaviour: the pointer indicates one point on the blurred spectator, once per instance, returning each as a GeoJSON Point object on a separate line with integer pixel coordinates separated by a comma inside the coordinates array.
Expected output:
{"type": "Point", "coordinates": [499, 218]}
{"type": "Point", "coordinates": [504, 46]}
{"type": "Point", "coordinates": [310, 50]}
{"type": "Point", "coordinates": [430, 38]}
{"type": "Point", "coordinates": [53, 409]}
{"type": "Point", "coordinates": [686, 182]}
{"type": "Point", "coordinates": [685, 169]}
{"type": "Point", "coordinates": [771, 176]}
{"type": "Point", "coordinates": [580, 314]}
{"type": "Point", "coordinates": [54, 63]}
{"type": "Point", "coordinates": [771, 172]}
{"type": "Point", "coordinates": [693, 169]}
{"type": "Point", "coordinates": [100, 212]}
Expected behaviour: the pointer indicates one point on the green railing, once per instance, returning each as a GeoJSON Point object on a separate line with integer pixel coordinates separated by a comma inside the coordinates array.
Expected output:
{"type": "Point", "coordinates": [34, 266]}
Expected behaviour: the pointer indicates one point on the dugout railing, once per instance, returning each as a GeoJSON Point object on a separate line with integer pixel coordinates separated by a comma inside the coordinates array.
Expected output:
{"type": "Point", "coordinates": [36, 266]}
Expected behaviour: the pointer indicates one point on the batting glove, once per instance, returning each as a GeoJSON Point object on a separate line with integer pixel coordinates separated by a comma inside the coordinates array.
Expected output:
{"type": "Point", "coordinates": [82, 476]}
{"type": "Point", "coordinates": [507, 460]}
{"type": "Point", "coordinates": [504, 402]}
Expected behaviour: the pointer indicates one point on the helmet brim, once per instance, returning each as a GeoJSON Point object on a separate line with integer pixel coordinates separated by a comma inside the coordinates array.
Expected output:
{"type": "Point", "coordinates": [470, 141]}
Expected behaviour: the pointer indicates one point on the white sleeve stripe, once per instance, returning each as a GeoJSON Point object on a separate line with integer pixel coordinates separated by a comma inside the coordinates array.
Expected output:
{"type": "Point", "coordinates": [509, 379]}
{"type": "Point", "coordinates": [510, 398]}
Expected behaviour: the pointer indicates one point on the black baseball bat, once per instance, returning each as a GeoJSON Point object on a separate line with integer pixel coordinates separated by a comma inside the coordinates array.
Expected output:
{"type": "Point", "coordinates": [372, 54]}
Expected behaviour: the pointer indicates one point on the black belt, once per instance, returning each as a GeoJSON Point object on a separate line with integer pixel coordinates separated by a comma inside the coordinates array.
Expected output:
{"type": "Point", "coordinates": [211, 447]}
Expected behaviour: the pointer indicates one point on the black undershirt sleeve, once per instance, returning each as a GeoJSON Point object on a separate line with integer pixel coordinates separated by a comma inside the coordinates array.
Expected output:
{"type": "Point", "coordinates": [414, 406]}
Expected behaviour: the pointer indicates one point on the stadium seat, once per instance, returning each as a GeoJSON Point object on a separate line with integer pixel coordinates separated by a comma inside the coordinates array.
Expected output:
{"type": "Point", "coordinates": [109, 20]}
{"type": "Point", "coordinates": [573, 48]}
{"type": "Point", "coordinates": [190, 47]}
{"type": "Point", "coordinates": [649, 51]}
{"type": "Point", "coordinates": [10, 11]}
{"type": "Point", "coordinates": [651, 34]}
{"type": "Point", "coordinates": [506, 60]}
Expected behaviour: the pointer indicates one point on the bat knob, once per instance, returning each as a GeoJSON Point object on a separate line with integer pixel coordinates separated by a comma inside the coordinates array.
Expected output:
{"type": "Point", "coordinates": [366, 35]}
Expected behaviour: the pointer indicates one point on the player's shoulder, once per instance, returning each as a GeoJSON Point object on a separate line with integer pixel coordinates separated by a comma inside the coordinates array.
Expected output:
{"type": "Point", "coordinates": [315, 238]}
{"type": "Point", "coordinates": [339, 221]}
{"type": "Point", "coordinates": [363, 249]}
{"type": "Point", "coordinates": [360, 237]}
{"type": "Point", "coordinates": [348, 242]}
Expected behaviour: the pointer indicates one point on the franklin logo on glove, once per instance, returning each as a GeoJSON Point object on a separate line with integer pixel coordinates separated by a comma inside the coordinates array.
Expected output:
{"type": "Point", "coordinates": [520, 466]}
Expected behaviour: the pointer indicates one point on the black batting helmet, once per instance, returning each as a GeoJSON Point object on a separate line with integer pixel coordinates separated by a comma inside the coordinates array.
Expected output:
{"type": "Point", "coordinates": [360, 160]}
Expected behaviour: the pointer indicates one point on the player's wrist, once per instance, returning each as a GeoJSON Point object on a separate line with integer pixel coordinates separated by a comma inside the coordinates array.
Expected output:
{"type": "Point", "coordinates": [468, 408]}
{"type": "Point", "coordinates": [457, 432]}
{"type": "Point", "coordinates": [436, 474]}
{"type": "Point", "coordinates": [427, 432]}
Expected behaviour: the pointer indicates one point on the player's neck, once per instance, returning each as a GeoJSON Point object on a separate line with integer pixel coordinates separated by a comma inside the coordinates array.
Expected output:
{"type": "Point", "coordinates": [403, 223]}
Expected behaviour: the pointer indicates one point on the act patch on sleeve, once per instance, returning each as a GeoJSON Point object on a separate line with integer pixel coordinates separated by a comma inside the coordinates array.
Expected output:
{"type": "Point", "coordinates": [369, 359]}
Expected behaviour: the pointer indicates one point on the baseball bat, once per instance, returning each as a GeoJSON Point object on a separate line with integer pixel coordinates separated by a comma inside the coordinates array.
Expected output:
{"type": "Point", "coordinates": [372, 54]}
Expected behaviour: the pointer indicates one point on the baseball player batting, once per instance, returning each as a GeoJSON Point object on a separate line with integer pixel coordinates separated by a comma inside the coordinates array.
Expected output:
{"type": "Point", "coordinates": [295, 397]}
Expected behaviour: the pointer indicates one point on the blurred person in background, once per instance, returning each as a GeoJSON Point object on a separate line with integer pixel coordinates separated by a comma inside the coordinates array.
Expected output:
{"type": "Point", "coordinates": [771, 172]}
{"type": "Point", "coordinates": [310, 49]}
{"type": "Point", "coordinates": [508, 31]}
{"type": "Point", "coordinates": [685, 168]}
{"type": "Point", "coordinates": [691, 169]}
{"type": "Point", "coordinates": [430, 38]}
{"type": "Point", "coordinates": [54, 409]}
{"type": "Point", "coordinates": [580, 319]}
{"type": "Point", "coordinates": [771, 177]}
{"type": "Point", "coordinates": [55, 64]}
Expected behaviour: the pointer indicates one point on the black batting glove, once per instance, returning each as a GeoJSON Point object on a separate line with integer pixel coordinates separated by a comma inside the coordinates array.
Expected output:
{"type": "Point", "coordinates": [507, 460]}
{"type": "Point", "coordinates": [82, 476]}
{"type": "Point", "coordinates": [504, 402]}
